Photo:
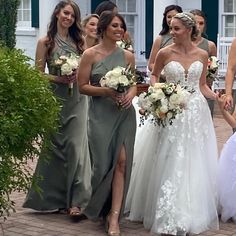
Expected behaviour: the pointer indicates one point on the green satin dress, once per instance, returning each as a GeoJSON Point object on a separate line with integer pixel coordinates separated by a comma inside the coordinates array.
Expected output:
{"type": "Point", "coordinates": [109, 128]}
{"type": "Point", "coordinates": [67, 172]}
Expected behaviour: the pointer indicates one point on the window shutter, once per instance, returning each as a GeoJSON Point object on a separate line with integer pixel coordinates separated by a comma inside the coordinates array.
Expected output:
{"type": "Point", "coordinates": [94, 4]}
{"type": "Point", "coordinates": [211, 11]}
{"type": "Point", "coordinates": [35, 13]}
{"type": "Point", "coordinates": [149, 26]}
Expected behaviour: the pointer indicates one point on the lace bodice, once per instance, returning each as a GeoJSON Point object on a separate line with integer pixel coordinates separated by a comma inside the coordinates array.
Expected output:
{"type": "Point", "coordinates": [175, 72]}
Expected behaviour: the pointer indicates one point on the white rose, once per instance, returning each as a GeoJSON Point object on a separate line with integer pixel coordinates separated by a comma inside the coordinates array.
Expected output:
{"type": "Point", "coordinates": [169, 115]}
{"type": "Point", "coordinates": [112, 83]}
{"type": "Point", "coordinates": [214, 62]}
{"type": "Point", "coordinates": [159, 85]}
{"type": "Point", "coordinates": [123, 80]}
{"type": "Point", "coordinates": [116, 72]}
{"type": "Point", "coordinates": [63, 57]}
{"type": "Point", "coordinates": [164, 109]}
{"type": "Point", "coordinates": [73, 62]}
{"type": "Point", "coordinates": [175, 99]}
{"type": "Point", "coordinates": [66, 69]}
{"type": "Point", "coordinates": [58, 62]}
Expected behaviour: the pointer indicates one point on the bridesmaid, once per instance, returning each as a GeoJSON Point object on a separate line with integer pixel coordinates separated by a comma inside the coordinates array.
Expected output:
{"type": "Point", "coordinates": [204, 44]}
{"type": "Point", "coordinates": [164, 39]}
{"type": "Point", "coordinates": [89, 25]}
{"type": "Point", "coordinates": [111, 130]}
{"type": "Point", "coordinates": [66, 183]}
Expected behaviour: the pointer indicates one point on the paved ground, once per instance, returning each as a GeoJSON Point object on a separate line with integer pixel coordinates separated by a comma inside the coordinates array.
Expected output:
{"type": "Point", "coordinates": [26, 222]}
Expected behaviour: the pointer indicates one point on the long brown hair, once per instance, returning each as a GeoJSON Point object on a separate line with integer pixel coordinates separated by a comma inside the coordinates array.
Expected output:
{"type": "Point", "coordinates": [75, 31]}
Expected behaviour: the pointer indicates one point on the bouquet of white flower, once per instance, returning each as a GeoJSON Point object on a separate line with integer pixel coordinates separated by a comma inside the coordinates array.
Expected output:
{"type": "Point", "coordinates": [164, 101]}
{"type": "Point", "coordinates": [65, 65]}
{"type": "Point", "coordinates": [212, 69]}
{"type": "Point", "coordinates": [119, 79]}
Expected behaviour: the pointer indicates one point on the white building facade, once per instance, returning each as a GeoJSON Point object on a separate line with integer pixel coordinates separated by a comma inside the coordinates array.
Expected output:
{"type": "Point", "coordinates": [143, 18]}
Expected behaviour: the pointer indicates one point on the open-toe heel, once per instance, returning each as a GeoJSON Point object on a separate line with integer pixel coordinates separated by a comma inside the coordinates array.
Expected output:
{"type": "Point", "coordinates": [107, 224]}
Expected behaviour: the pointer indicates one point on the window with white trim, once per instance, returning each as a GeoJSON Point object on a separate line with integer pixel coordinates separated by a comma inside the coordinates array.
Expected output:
{"type": "Point", "coordinates": [133, 12]}
{"type": "Point", "coordinates": [24, 14]}
{"type": "Point", "coordinates": [228, 18]}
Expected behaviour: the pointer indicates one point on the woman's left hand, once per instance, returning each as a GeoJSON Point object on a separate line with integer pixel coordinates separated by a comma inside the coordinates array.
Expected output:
{"type": "Point", "coordinates": [126, 100]}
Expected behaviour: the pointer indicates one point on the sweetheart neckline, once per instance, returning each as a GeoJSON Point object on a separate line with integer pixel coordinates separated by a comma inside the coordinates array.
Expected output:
{"type": "Point", "coordinates": [185, 70]}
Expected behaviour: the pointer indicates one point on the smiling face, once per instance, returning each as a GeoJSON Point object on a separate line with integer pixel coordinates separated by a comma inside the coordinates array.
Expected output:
{"type": "Point", "coordinates": [66, 17]}
{"type": "Point", "coordinates": [90, 28]}
{"type": "Point", "coordinates": [115, 30]}
{"type": "Point", "coordinates": [169, 16]}
{"type": "Point", "coordinates": [179, 31]}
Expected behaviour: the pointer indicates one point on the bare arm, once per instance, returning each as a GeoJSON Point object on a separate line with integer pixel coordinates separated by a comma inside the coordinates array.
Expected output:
{"type": "Point", "coordinates": [126, 101]}
{"type": "Point", "coordinates": [41, 54]}
{"type": "Point", "coordinates": [212, 48]}
{"type": "Point", "coordinates": [158, 66]}
{"type": "Point", "coordinates": [154, 51]}
{"type": "Point", "coordinates": [202, 83]}
{"type": "Point", "coordinates": [83, 76]}
{"type": "Point", "coordinates": [231, 70]}
{"type": "Point", "coordinates": [231, 119]}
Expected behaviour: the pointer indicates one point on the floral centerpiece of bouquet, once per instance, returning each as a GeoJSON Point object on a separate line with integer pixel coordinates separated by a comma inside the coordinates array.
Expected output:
{"type": "Point", "coordinates": [125, 44]}
{"type": "Point", "coordinates": [119, 79]}
{"type": "Point", "coordinates": [66, 65]}
{"type": "Point", "coordinates": [164, 101]}
{"type": "Point", "coordinates": [212, 69]}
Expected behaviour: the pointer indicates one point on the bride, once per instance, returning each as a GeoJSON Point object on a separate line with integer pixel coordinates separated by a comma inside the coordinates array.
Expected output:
{"type": "Point", "coordinates": [172, 188]}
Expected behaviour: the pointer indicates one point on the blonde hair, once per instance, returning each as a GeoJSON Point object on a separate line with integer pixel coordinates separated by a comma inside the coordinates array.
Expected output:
{"type": "Point", "coordinates": [87, 18]}
{"type": "Point", "coordinates": [188, 21]}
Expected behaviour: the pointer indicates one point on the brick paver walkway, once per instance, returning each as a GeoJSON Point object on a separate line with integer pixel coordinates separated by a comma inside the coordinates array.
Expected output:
{"type": "Point", "coordinates": [26, 222]}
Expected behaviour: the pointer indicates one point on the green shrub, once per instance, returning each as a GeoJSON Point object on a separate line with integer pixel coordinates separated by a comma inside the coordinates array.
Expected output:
{"type": "Point", "coordinates": [28, 115]}
{"type": "Point", "coordinates": [8, 19]}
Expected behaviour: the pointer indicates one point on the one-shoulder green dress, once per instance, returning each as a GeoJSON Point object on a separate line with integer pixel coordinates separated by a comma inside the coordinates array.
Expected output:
{"type": "Point", "coordinates": [67, 174]}
{"type": "Point", "coordinates": [108, 129]}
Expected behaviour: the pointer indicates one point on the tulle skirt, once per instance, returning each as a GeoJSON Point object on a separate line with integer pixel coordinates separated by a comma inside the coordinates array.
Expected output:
{"type": "Point", "coordinates": [227, 180]}
{"type": "Point", "coordinates": [173, 183]}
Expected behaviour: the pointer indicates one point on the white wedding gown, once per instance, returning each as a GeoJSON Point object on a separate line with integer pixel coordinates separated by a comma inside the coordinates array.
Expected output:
{"type": "Point", "coordinates": [173, 183]}
{"type": "Point", "coordinates": [227, 180]}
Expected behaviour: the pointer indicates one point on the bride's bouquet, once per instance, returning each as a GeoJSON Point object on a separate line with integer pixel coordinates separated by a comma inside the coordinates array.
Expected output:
{"type": "Point", "coordinates": [164, 101]}
{"type": "Point", "coordinates": [212, 69]}
{"type": "Point", "coordinates": [66, 65]}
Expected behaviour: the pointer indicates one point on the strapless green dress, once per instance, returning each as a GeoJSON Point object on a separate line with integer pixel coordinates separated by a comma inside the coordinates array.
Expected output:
{"type": "Point", "coordinates": [109, 128]}
{"type": "Point", "coordinates": [67, 174]}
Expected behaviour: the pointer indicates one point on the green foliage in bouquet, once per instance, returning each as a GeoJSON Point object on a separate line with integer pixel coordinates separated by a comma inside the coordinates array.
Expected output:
{"type": "Point", "coordinates": [28, 116]}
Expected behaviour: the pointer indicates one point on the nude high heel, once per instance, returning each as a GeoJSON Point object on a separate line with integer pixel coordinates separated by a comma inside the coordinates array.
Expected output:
{"type": "Point", "coordinates": [111, 233]}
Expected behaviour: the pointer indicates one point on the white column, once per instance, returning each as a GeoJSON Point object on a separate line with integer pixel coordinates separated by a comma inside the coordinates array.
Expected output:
{"type": "Point", "coordinates": [45, 11]}
{"type": "Point", "coordinates": [159, 7]}
{"type": "Point", "coordinates": [85, 7]}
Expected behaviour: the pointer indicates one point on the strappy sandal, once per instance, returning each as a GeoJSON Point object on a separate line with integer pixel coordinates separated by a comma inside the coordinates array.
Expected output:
{"type": "Point", "coordinates": [75, 211]}
{"type": "Point", "coordinates": [111, 232]}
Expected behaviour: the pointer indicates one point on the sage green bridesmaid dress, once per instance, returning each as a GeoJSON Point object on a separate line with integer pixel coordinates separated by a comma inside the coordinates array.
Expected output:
{"type": "Point", "coordinates": [109, 128]}
{"type": "Point", "coordinates": [65, 168]}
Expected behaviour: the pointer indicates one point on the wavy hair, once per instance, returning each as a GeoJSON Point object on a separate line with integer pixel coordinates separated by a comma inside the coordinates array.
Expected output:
{"type": "Point", "coordinates": [105, 6]}
{"type": "Point", "coordinates": [105, 19]}
{"type": "Point", "coordinates": [75, 31]}
{"type": "Point", "coordinates": [165, 26]}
